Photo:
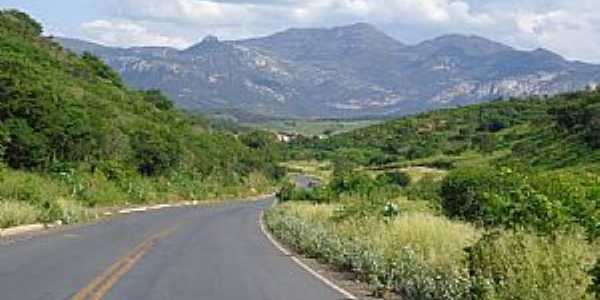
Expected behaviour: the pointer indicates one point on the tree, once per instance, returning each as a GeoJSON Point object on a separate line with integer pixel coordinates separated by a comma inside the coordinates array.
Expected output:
{"type": "Point", "coordinates": [31, 25]}
{"type": "Point", "coordinates": [397, 177]}
{"type": "Point", "coordinates": [100, 69]}
{"type": "Point", "coordinates": [158, 99]}
{"type": "Point", "coordinates": [156, 150]}
{"type": "Point", "coordinates": [24, 147]}
{"type": "Point", "coordinates": [592, 133]}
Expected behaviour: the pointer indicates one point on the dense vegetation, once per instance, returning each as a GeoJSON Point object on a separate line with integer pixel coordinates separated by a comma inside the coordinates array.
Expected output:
{"type": "Point", "coordinates": [552, 133]}
{"type": "Point", "coordinates": [73, 135]}
{"type": "Point", "coordinates": [490, 201]}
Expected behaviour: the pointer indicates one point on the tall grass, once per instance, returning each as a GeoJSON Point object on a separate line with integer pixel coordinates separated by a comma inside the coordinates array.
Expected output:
{"type": "Point", "coordinates": [76, 196]}
{"type": "Point", "coordinates": [420, 255]}
{"type": "Point", "coordinates": [17, 213]}
{"type": "Point", "coordinates": [415, 254]}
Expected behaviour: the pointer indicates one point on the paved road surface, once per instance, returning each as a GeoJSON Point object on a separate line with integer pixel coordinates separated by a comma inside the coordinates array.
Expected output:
{"type": "Point", "coordinates": [212, 253]}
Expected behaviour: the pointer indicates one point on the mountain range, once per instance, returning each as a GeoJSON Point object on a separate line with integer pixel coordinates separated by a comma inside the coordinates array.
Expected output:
{"type": "Point", "coordinates": [342, 72]}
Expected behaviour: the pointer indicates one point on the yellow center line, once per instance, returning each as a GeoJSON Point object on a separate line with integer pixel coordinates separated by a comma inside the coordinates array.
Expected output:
{"type": "Point", "coordinates": [102, 283]}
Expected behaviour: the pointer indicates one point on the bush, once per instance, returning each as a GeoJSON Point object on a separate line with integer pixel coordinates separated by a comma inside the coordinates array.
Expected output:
{"type": "Point", "coordinates": [595, 273]}
{"type": "Point", "coordinates": [354, 183]}
{"type": "Point", "coordinates": [157, 99]}
{"type": "Point", "coordinates": [322, 194]}
{"type": "Point", "coordinates": [31, 25]}
{"type": "Point", "coordinates": [500, 198]}
{"type": "Point", "coordinates": [427, 189]}
{"type": "Point", "coordinates": [518, 265]}
{"type": "Point", "coordinates": [398, 178]}
{"type": "Point", "coordinates": [578, 194]}
{"type": "Point", "coordinates": [592, 132]}
{"type": "Point", "coordinates": [156, 150]}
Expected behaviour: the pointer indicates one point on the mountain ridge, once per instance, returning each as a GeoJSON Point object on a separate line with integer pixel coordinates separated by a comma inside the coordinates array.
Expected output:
{"type": "Point", "coordinates": [342, 72]}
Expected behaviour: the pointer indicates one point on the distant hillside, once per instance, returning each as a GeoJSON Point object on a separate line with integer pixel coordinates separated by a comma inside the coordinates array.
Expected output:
{"type": "Point", "coordinates": [559, 132]}
{"type": "Point", "coordinates": [342, 72]}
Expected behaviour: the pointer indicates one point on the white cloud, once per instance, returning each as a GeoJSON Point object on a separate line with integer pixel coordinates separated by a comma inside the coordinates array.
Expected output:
{"type": "Point", "coordinates": [568, 27]}
{"type": "Point", "coordinates": [573, 33]}
{"type": "Point", "coordinates": [121, 33]}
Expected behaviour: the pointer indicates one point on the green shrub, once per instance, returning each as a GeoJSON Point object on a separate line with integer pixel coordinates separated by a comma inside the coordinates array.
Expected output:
{"type": "Point", "coordinates": [426, 189]}
{"type": "Point", "coordinates": [500, 198]}
{"type": "Point", "coordinates": [321, 194]}
{"type": "Point", "coordinates": [31, 25]}
{"type": "Point", "coordinates": [398, 178]}
{"type": "Point", "coordinates": [595, 273]}
{"type": "Point", "coordinates": [510, 265]}
{"type": "Point", "coordinates": [592, 131]}
{"type": "Point", "coordinates": [157, 99]}
{"type": "Point", "coordinates": [354, 183]}
{"type": "Point", "coordinates": [156, 150]}
{"type": "Point", "coordinates": [286, 193]}
{"type": "Point", "coordinates": [579, 195]}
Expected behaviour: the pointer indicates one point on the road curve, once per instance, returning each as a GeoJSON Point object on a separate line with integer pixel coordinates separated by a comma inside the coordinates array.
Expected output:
{"type": "Point", "coordinates": [212, 253]}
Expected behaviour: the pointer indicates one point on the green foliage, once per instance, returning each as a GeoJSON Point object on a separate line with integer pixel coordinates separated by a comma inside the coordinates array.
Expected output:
{"type": "Point", "coordinates": [595, 273]}
{"type": "Point", "coordinates": [592, 131]}
{"type": "Point", "coordinates": [102, 71]}
{"type": "Point", "coordinates": [157, 98]}
{"type": "Point", "coordinates": [290, 192]}
{"type": "Point", "coordinates": [427, 189]}
{"type": "Point", "coordinates": [75, 137]}
{"type": "Point", "coordinates": [396, 178]}
{"type": "Point", "coordinates": [500, 198]}
{"type": "Point", "coordinates": [550, 133]}
{"type": "Point", "coordinates": [523, 266]}
{"type": "Point", "coordinates": [25, 22]}
{"type": "Point", "coordinates": [156, 150]}
{"type": "Point", "coordinates": [355, 183]}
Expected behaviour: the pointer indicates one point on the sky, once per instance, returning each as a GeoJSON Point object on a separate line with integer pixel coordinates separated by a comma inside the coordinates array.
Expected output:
{"type": "Point", "coordinates": [569, 27]}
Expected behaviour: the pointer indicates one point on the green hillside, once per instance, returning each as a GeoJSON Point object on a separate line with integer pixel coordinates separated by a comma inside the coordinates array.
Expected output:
{"type": "Point", "coordinates": [69, 122]}
{"type": "Point", "coordinates": [562, 131]}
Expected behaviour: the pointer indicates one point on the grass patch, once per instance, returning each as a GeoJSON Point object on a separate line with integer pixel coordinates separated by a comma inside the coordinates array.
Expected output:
{"type": "Point", "coordinates": [17, 213]}
{"type": "Point", "coordinates": [421, 255]}
{"type": "Point", "coordinates": [416, 254]}
{"type": "Point", "coordinates": [322, 170]}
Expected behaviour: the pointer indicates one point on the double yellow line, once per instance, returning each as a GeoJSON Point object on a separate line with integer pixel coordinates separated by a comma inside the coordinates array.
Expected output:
{"type": "Point", "coordinates": [102, 284]}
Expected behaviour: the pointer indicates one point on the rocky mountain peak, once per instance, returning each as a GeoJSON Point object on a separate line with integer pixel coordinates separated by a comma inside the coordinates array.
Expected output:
{"type": "Point", "coordinates": [469, 44]}
{"type": "Point", "coordinates": [209, 43]}
{"type": "Point", "coordinates": [210, 39]}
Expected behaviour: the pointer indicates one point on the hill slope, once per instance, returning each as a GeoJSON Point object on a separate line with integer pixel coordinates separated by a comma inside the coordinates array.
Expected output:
{"type": "Point", "coordinates": [70, 130]}
{"type": "Point", "coordinates": [559, 132]}
{"type": "Point", "coordinates": [349, 71]}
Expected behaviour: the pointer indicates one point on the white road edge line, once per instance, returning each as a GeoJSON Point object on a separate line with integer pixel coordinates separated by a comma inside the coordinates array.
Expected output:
{"type": "Point", "coordinates": [299, 262]}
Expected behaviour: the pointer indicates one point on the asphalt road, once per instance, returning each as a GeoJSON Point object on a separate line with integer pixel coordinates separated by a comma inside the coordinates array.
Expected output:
{"type": "Point", "coordinates": [212, 253]}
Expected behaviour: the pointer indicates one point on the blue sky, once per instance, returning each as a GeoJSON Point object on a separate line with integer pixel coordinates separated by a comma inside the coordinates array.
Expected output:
{"type": "Point", "coordinates": [570, 28]}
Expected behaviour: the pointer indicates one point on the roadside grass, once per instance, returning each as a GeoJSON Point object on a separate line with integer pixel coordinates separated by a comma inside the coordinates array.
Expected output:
{"type": "Point", "coordinates": [518, 265]}
{"type": "Point", "coordinates": [416, 254]}
{"type": "Point", "coordinates": [419, 254]}
{"type": "Point", "coordinates": [78, 196]}
{"type": "Point", "coordinates": [14, 213]}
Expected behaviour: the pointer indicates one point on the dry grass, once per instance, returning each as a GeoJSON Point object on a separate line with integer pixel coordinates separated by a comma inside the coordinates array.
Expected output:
{"type": "Point", "coordinates": [321, 170]}
{"type": "Point", "coordinates": [14, 213]}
